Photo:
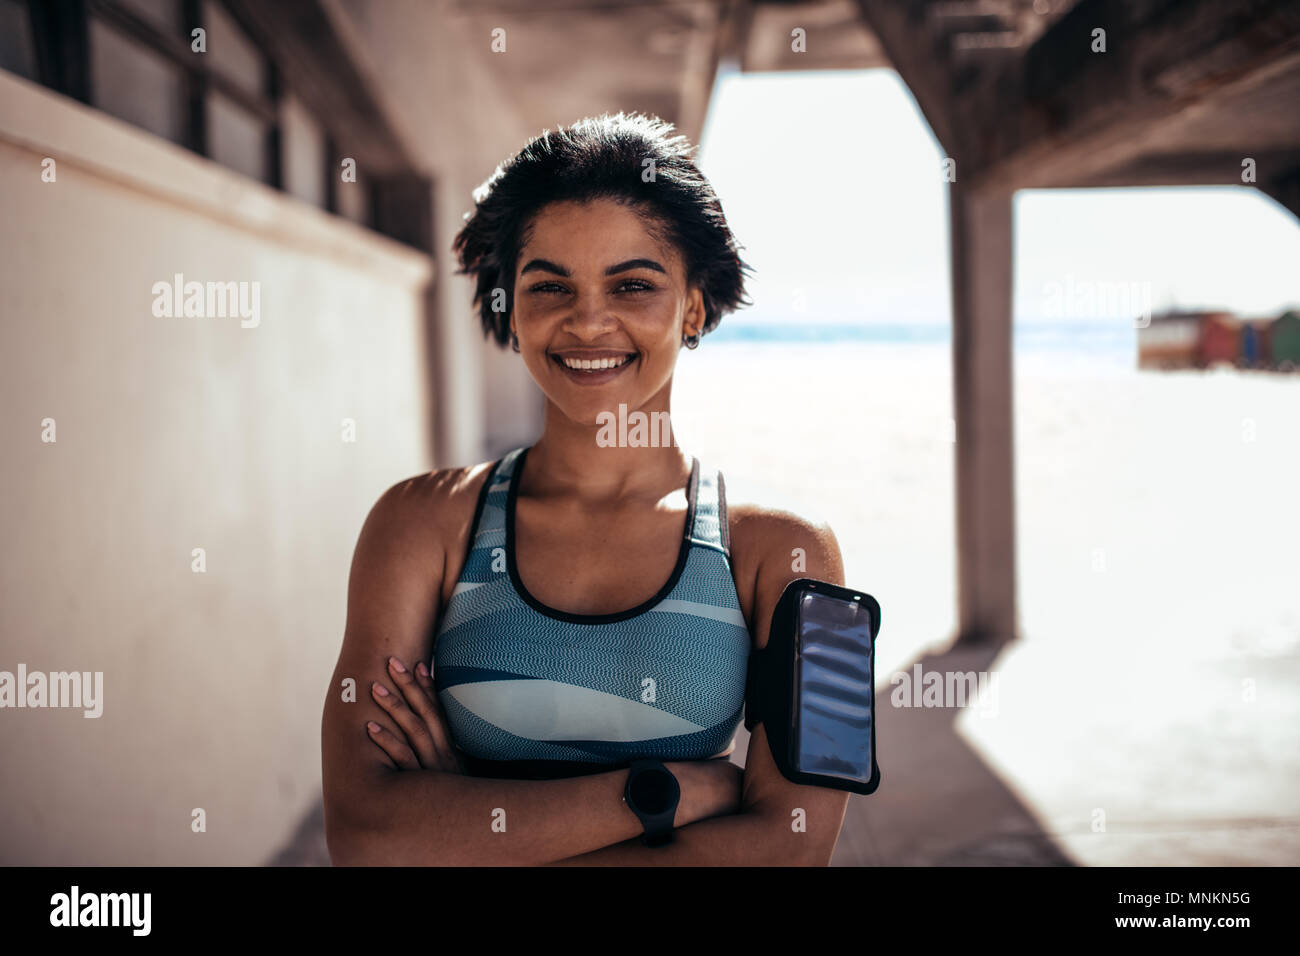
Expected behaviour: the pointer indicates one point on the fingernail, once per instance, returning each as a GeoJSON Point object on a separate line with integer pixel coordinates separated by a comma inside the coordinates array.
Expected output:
{"type": "Point", "coordinates": [381, 690]}
{"type": "Point", "coordinates": [372, 727]}
{"type": "Point", "coordinates": [397, 665]}
{"type": "Point", "coordinates": [421, 669]}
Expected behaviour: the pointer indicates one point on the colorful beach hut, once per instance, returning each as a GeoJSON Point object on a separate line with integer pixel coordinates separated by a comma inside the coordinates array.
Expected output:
{"type": "Point", "coordinates": [1170, 340]}
{"type": "Point", "coordinates": [1220, 340]}
{"type": "Point", "coordinates": [1255, 341]}
{"type": "Point", "coordinates": [1285, 341]}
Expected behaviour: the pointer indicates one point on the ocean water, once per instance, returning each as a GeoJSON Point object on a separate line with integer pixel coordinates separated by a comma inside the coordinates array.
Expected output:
{"type": "Point", "coordinates": [1113, 338]}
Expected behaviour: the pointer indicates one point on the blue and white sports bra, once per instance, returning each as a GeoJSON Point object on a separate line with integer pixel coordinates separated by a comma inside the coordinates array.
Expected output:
{"type": "Point", "coordinates": [531, 692]}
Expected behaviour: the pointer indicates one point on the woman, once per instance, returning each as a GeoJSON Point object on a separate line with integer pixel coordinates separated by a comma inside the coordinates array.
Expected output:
{"type": "Point", "coordinates": [588, 600]}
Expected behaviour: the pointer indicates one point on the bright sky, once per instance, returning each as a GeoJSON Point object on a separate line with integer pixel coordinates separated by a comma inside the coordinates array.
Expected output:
{"type": "Point", "coordinates": [832, 182]}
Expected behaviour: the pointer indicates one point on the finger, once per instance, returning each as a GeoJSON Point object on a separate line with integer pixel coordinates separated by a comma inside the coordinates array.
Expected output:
{"type": "Point", "coordinates": [397, 750]}
{"type": "Point", "coordinates": [417, 694]}
{"type": "Point", "coordinates": [425, 680]}
{"type": "Point", "coordinates": [408, 721]}
{"type": "Point", "coordinates": [424, 702]}
{"type": "Point", "coordinates": [402, 757]}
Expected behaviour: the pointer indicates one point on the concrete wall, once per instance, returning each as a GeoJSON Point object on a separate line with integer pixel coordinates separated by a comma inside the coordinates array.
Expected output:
{"type": "Point", "coordinates": [459, 119]}
{"type": "Point", "coordinates": [175, 434]}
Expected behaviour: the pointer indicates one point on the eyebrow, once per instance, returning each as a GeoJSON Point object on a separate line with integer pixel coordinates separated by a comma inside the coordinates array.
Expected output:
{"type": "Point", "coordinates": [548, 266]}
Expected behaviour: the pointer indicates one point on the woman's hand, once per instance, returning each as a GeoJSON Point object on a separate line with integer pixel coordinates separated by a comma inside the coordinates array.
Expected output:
{"type": "Point", "coordinates": [415, 709]}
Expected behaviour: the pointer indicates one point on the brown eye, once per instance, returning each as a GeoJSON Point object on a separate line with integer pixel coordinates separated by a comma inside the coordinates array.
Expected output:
{"type": "Point", "coordinates": [637, 285]}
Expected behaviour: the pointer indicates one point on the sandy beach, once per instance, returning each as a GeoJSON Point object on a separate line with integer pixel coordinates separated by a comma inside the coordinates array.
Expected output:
{"type": "Point", "coordinates": [1150, 712]}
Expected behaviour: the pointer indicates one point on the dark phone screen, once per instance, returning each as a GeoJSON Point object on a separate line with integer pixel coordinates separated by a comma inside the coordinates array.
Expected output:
{"type": "Point", "coordinates": [834, 682]}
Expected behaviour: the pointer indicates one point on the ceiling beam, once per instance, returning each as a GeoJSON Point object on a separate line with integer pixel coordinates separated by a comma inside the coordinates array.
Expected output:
{"type": "Point", "coordinates": [1285, 190]}
{"type": "Point", "coordinates": [1210, 168]}
{"type": "Point", "coordinates": [719, 37]}
{"type": "Point", "coordinates": [1068, 114]}
{"type": "Point", "coordinates": [904, 33]}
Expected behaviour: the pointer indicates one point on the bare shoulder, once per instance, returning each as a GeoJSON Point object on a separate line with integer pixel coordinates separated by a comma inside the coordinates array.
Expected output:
{"type": "Point", "coordinates": [435, 496]}
{"type": "Point", "coordinates": [766, 530]}
{"type": "Point", "coordinates": [772, 543]}
{"type": "Point", "coordinates": [418, 522]}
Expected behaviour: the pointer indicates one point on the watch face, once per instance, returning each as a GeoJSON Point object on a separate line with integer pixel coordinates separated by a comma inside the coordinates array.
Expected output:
{"type": "Point", "coordinates": [653, 791]}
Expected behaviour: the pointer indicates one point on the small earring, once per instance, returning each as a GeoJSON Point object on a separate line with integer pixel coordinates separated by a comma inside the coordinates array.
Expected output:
{"type": "Point", "coordinates": [514, 341]}
{"type": "Point", "coordinates": [691, 341]}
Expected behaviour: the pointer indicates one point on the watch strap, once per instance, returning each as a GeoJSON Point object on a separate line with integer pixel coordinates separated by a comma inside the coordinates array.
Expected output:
{"type": "Point", "coordinates": [657, 827]}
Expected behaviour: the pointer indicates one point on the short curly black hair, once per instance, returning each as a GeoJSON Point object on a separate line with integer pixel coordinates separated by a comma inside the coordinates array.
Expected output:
{"type": "Point", "coordinates": [604, 157]}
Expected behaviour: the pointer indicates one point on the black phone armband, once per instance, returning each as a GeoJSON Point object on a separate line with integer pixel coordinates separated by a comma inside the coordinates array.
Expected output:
{"type": "Point", "coordinates": [812, 686]}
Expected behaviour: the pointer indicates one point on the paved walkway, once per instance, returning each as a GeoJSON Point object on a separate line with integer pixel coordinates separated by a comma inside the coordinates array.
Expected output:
{"type": "Point", "coordinates": [1071, 760]}
{"type": "Point", "coordinates": [939, 803]}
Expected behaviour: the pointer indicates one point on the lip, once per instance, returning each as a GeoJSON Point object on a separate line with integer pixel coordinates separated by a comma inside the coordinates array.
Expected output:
{"type": "Point", "coordinates": [593, 353]}
{"type": "Point", "coordinates": [592, 378]}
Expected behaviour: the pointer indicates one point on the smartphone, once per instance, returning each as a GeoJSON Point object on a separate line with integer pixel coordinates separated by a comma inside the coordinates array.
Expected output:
{"type": "Point", "coordinates": [834, 687]}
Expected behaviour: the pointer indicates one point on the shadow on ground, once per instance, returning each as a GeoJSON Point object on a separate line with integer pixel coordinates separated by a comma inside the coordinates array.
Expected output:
{"type": "Point", "coordinates": [307, 845]}
{"type": "Point", "coordinates": [938, 803]}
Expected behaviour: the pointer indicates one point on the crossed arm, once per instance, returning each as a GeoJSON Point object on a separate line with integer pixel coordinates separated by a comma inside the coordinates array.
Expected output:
{"type": "Point", "coordinates": [419, 808]}
{"type": "Point", "coordinates": [778, 824]}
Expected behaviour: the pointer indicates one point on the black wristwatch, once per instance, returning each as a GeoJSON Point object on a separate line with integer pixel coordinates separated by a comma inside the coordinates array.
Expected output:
{"type": "Point", "coordinates": [652, 793]}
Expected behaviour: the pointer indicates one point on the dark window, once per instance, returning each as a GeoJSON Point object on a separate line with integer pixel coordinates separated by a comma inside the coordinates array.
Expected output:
{"type": "Point", "coordinates": [17, 51]}
{"type": "Point", "coordinates": [305, 154]}
{"type": "Point", "coordinates": [135, 84]}
{"type": "Point", "coordinates": [166, 15]}
{"type": "Point", "coordinates": [236, 139]}
{"type": "Point", "coordinates": [231, 53]}
{"type": "Point", "coordinates": [135, 60]}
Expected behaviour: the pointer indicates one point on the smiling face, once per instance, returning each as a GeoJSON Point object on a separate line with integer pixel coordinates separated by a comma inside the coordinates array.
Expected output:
{"type": "Point", "coordinates": [600, 308]}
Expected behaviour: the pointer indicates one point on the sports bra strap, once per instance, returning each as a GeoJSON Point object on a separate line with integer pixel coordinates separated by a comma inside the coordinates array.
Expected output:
{"type": "Point", "coordinates": [711, 512]}
{"type": "Point", "coordinates": [709, 530]}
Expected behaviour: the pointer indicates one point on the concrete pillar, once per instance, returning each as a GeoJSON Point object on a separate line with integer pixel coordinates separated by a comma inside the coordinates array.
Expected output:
{"type": "Point", "coordinates": [982, 400]}
{"type": "Point", "coordinates": [456, 362]}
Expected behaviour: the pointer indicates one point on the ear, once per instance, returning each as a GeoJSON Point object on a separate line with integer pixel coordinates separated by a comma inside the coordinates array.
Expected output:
{"type": "Point", "coordinates": [694, 314]}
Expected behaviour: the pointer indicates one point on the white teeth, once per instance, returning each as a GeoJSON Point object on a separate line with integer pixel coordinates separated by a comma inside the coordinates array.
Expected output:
{"type": "Point", "coordinates": [595, 365]}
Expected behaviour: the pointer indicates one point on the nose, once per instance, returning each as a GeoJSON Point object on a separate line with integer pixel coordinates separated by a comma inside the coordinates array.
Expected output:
{"type": "Point", "coordinates": [590, 316]}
